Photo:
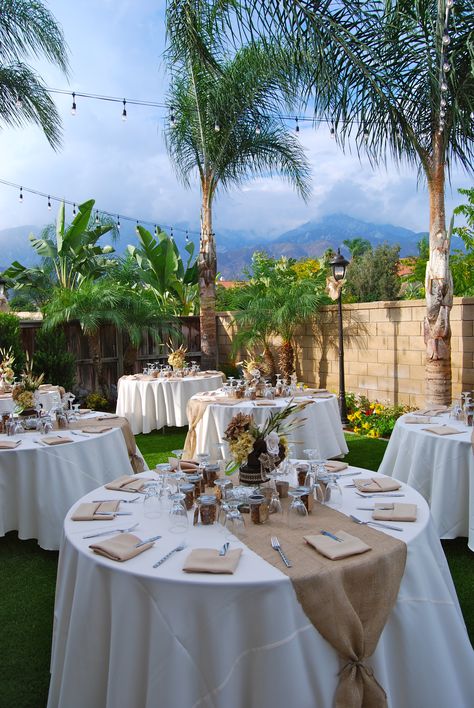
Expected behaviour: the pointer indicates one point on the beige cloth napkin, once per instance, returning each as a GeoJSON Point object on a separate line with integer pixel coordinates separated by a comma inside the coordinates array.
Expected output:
{"type": "Point", "coordinates": [55, 440]}
{"type": "Point", "coordinates": [85, 411]}
{"type": "Point", "coordinates": [322, 395]}
{"type": "Point", "coordinates": [265, 403]}
{"type": "Point", "coordinates": [377, 484]}
{"type": "Point", "coordinates": [87, 511]}
{"type": "Point", "coordinates": [126, 483]}
{"type": "Point", "coordinates": [208, 560]}
{"type": "Point", "coordinates": [417, 420]}
{"type": "Point", "coordinates": [442, 430]}
{"type": "Point", "coordinates": [349, 546]}
{"type": "Point", "coordinates": [9, 444]}
{"type": "Point", "coordinates": [107, 417]}
{"type": "Point", "coordinates": [335, 465]}
{"type": "Point", "coordinates": [120, 548]}
{"type": "Point", "coordinates": [433, 410]}
{"type": "Point", "coordinates": [97, 429]}
{"type": "Point", "coordinates": [186, 465]}
{"type": "Point", "coordinates": [398, 512]}
{"type": "Point", "coordinates": [136, 461]}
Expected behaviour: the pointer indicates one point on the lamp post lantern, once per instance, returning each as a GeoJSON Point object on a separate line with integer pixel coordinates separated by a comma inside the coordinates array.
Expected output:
{"type": "Point", "coordinates": [339, 265]}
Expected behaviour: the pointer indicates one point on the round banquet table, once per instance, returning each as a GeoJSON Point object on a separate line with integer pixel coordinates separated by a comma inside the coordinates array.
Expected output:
{"type": "Point", "coordinates": [322, 425]}
{"type": "Point", "coordinates": [38, 483]}
{"type": "Point", "coordinates": [48, 399]}
{"type": "Point", "coordinates": [130, 636]}
{"type": "Point", "coordinates": [151, 404]}
{"type": "Point", "coordinates": [440, 468]}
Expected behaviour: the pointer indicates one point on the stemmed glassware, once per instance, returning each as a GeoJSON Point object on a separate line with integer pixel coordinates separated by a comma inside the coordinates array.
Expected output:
{"type": "Point", "coordinates": [297, 512]}
{"type": "Point", "coordinates": [333, 493]}
{"type": "Point", "coordinates": [178, 516]}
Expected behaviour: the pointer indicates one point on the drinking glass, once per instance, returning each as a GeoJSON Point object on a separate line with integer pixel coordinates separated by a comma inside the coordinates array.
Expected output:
{"type": "Point", "coordinates": [333, 493]}
{"type": "Point", "coordinates": [233, 524]}
{"type": "Point", "coordinates": [152, 504]}
{"type": "Point", "coordinates": [297, 512]}
{"type": "Point", "coordinates": [178, 516]}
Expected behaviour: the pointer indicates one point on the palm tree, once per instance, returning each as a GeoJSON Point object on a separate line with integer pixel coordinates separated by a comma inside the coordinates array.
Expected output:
{"type": "Point", "coordinates": [357, 246]}
{"type": "Point", "coordinates": [95, 303]}
{"type": "Point", "coordinates": [396, 76]}
{"type": "Point", "coordinates": [221, 128]}
{"type": "Point", "coordinates": [28, 29]}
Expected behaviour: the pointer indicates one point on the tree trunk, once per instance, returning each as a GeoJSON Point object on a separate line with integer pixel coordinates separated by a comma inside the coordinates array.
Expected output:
{"type": "Point", "coordinates": [287, 359]}
{"type": "Point", "coordinates": [270, 365]}
{"type": "Point", "coordinates": [439, 289]}
{"type": "Point", "coordinates": [207, 284]}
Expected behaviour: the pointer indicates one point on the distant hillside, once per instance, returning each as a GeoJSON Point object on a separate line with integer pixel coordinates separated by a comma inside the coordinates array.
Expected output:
{"type": "Point", "coordinates": [235, 248]}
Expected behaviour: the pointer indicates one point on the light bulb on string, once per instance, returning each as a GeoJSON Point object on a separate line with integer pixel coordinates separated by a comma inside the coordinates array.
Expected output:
{"type": "Point", "coordinates": [187, 236]}
{"type": "Point", "coordinates": [74, 209]}
{"type": "Point", "coordinates": [217, 127]}
{"type": "Point", "coordinates": [450, 3]}
{"type": "Point", "coordinates": [257, 130]}
{"type": "Point", "coordinates": [19, 102]}
{"type": "Point", "coordinates": [156, 230]}
{"type": "Point", "coordinates": [446, 38]}
{"type": "Point", "coordinates": [172, 116]}
{"type": "Point", "coordinates": [20, 198]}
{"type": "Point", "coordinates": [171, 233]}
{"type": "Point", "coordinates": [442, 113]}
{"type": "Point", "coordinates": [297, 126]}
{"type": "Point", "coordinates": [444, 86]}
{"type": "Point", "coordinates": [124, 112]}
{"type": "Point", "coordinates": [332, 132]}
{"type": "Point", "coordinates": [443, 103]}
{"type": "Point", "coordinates": [446, 66]}
{"type": "Point", "coordinates": [73, 107]}
{"type": "Point", "coordinates": [366, 135]}
{"type": "Point", "coordinates": [118, 222]}
{"type": "Point", "coordinates": [136, 229]}
{"type": "Point", "coordinates": [97, 217]}
{"type": "Point", "coordinates": [49, 203]}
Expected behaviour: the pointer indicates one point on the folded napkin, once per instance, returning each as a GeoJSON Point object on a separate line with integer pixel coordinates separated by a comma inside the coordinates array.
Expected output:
{"type": "Point", "coordinates": [322, 395]}
{"type": "Point", "coordinates": [208, 560]}
{"type": "Point", "coordinates": [377, 484]}
{"type": "Point", "coordinates": [397, 512]}
{"type": "Point", "coordinates": [433, 410]}
{"type": "Point", "coordinates": [87, 511]}
{"type": "Point", "coordinates": [335, 465]}
{"type": "Point", "coordinates": [349, 546]}
{"type": "Point", "coordinates": [97, 429]}
{"type": "Point", "coordinates": [120, 548]}
{"type": "Point", "coordinates": [442, 430]}
{"type": "Point", "coordinates": [213, 372]}
{"type": "Point", "coordinates": [265, 403]}
{"type": "Point", "coordinates": [56, 440]}
{"type": "Point", "coordinates": [108, 417]}
{"type": "Point", "coordinates": [126, 483]}
{"type": "Point", "coordinates": [186, 465]}
{"type": "Point", "coordinates": [417, 420]}
{"type": "Point", "coordinates": [9, 444]}
{"type": "Point", "coordinates": [84, 411]}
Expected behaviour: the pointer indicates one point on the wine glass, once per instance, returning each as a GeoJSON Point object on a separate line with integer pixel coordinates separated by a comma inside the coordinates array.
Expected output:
{"type": "Point", "coordinates": [152, 502]}
{"type": "Point", "coordinates": [297, 512]}
{"type": "Point", "coordinates": [178, 516]}
{"type": "Point", "coordinates": [333, 493]}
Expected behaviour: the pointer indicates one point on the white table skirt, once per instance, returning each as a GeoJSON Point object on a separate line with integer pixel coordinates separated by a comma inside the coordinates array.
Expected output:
{"type": "Point", "coordinates": [322, 426]}
{"type": "Point", "coordinates": [152, 404]}
{"type": "Point", "coordinates": [440, 468]}
{"type": "Point", "coordinates": [129, 636]}
{"type": "Point", "coordinates": [38, 483]}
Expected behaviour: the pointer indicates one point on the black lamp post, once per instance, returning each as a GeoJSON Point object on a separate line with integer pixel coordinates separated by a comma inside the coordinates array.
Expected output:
{"type": "Point", "coordinates": [339, 265]}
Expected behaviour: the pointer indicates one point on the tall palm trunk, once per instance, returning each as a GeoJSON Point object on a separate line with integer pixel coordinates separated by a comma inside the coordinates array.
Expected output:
{"type": "Point", "coordinates": [207, 283]}
{"type": "Point", "coordinates": [287, 359]}
{"type": "Point", "coordinates": [439, 287]}
{"type": "Point", "coordinates": [269, 360]}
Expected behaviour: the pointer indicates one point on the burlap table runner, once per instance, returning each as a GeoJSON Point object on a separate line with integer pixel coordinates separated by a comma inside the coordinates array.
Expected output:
{"type": "Point", "coordinates": [348, 600]}
{"type": "Point", "coordinates": [135, 460]}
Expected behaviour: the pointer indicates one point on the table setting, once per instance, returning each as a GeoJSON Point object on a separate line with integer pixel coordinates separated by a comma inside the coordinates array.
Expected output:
{"type": "Point", "coordinates": [220, 609]}
{"type": "Point", "coordinates": [431, 450]}
{"type": "Point", "coordinates": [45, 468]}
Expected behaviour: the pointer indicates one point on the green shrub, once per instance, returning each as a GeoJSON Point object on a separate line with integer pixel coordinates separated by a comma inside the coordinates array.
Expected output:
{"type": "Point", "coordinates": [52, 358]}
{"type": "Point", "coordinates": [97, 402]}
{"type": "Point", "coordinates": [10, 337]}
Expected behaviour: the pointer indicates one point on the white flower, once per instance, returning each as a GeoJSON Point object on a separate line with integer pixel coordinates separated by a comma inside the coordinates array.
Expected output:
{"type": "Point", "coordinates": [272, 441]}
{"type": "Point", "coordinates": [255, 373]}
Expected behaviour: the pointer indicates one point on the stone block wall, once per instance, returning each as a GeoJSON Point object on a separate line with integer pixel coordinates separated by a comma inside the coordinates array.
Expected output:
{"type": "Point", "coordinates": [384, 352]}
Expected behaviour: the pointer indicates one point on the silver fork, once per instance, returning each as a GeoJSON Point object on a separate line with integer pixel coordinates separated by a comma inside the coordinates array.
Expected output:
{"type": "Point", "coordinates": [375, 523]}
{"type": "Point", "coordinates": [276, 545]}
{"type": "Point", "coordinates": [171, 553]}
{"type": "Point", "coordinates": [378, 495]}
{"type": "Point", "coordinates": [104, 533]}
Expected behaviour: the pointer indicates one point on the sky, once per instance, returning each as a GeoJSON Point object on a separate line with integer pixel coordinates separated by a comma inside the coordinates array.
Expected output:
{"type": "Point", "coordinates": [116, 50]}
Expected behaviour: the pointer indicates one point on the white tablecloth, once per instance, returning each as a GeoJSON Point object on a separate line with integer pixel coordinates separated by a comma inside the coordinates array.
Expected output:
{"type": "Point", "coordinates": [321, 428]}
{"type": "Point", "coordinates": [151, 404]}
{"type": "Point", "coordinates": [130, 636]}
{"type": "Point", "coordinates": [48, 399]}
{"type": "Point", "coordinates": [38, 483]}
{"type": "Point", "coordinates": [441, 468]}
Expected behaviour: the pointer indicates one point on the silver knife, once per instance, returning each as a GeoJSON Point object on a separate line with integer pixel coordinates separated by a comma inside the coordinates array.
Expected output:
{"type": "Point", "coordinates": [372, 508]}
{"type": "Point", "coordinates": [147, 540]}
{"type": "Point", "coordinates": [112, 513]}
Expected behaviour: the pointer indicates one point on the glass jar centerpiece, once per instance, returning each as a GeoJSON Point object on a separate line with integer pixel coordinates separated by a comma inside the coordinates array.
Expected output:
{"type": "Point", "coordinates": [251, 445]}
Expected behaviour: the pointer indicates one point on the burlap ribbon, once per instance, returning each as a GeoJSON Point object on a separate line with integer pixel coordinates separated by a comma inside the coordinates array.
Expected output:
{"type": "Point", "coordinates": [195, 410]}
{"type": "Point", "coordinates": [348, 600]}
{"type": "Point", "coordinates": [135, 460]}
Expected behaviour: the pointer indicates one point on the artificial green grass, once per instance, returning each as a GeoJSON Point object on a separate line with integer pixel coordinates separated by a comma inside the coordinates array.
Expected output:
{"type": "Point", "coordinates": [28, 577]}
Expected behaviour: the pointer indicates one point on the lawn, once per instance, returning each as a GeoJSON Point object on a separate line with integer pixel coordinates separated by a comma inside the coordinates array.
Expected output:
{"type": "Point", "coordinates": [28, 576]}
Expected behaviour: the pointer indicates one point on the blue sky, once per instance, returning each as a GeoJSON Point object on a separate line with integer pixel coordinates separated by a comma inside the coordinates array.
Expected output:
{"type": "Point", "coordinates": [116, 48]}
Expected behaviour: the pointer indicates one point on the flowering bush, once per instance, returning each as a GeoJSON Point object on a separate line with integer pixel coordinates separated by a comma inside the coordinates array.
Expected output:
{"type": "Point", "coordinates": [372, 418]}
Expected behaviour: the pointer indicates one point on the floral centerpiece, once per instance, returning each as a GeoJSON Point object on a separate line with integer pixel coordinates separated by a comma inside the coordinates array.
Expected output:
{"type": "Point", "coordinates": [177, 358]}
{"type": "Point", "coordinates": [251, 444]}
{"type": "Point", "coordinates": [23, 392]}
{"type": "Point", "coordinates": [7, 375]}
{"type": "Point", "coordinates": [254, 368]}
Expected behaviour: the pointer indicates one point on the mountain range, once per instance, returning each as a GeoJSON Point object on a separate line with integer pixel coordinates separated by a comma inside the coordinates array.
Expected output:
{"type": "Point", "coordinates": [235, 248]}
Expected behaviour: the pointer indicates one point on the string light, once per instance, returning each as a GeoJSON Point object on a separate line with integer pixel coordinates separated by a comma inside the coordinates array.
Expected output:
{"type": "Point", "coordinates": [332, 132]}
{"type": "Point", "coordinates": [20, 198]}
{"type": "Point", "coordinates": [171, 233]}
{"type": "Point", "coordinates": [124, 112]}
{"type": "Point", "coordinates": [97, 222]}
{"type": "Point", "coordinates": [257, 130]}
{"type": "Point", "coordinates": [217, 127]}
{"type": "Point", "coordinates": [297, 127]}
{"type": "Point", "coordinates": [172, 116]}
{"type": "Point", "coordinates": [118, 222]}
{"type": "Point", "coordinates": [74, 209]}
{"type": "Point", "coordinates": [73, 107]}
{"type": "Point", "coordinates": [187, 236]}
{"type": "Point", "coordinates": [446, 38]}
{"type": "Point", "coordinates": [156, 230]}
{"type": "Point", "coordinates": [136, 229]}
{"type": "Point", "coordinates": [19, 102]}
{"type": "Point", "coordinates": [49, 203]}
